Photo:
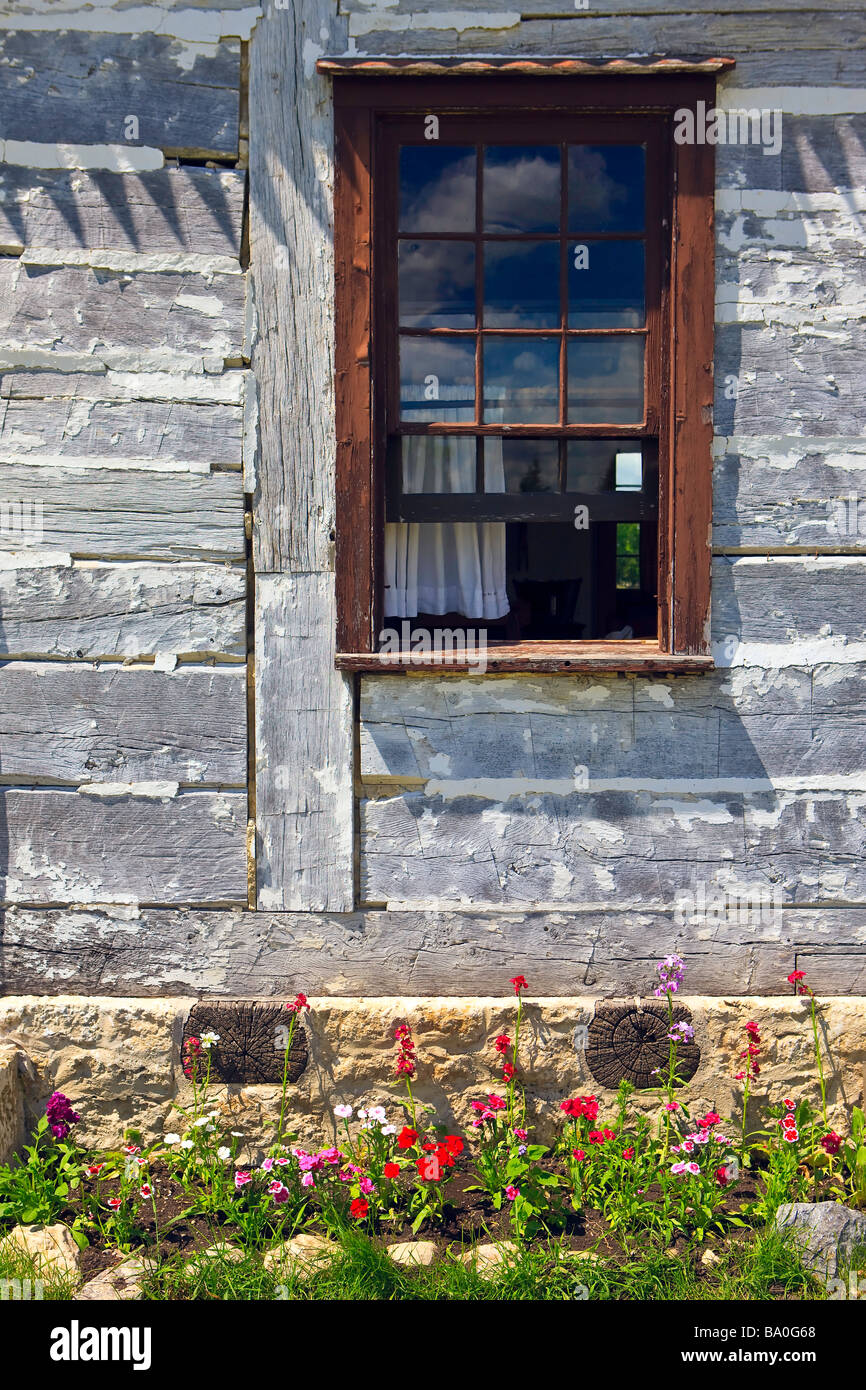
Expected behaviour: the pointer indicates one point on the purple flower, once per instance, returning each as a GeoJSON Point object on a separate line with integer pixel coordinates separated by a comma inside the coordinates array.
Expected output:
{"type": "Point", "coordinates": [60, 1115]}
{"type": "Point", "coordinates": [670, 971]}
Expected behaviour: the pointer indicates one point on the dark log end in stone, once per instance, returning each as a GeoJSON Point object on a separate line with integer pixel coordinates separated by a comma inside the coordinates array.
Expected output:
{"type": "Point", "coordinates": [629, 1043]}
{"type": "Point", "coordinates": [252, 1042]}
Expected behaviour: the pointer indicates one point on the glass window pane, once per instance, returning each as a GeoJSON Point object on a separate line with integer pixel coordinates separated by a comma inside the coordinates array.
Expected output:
{"type": "Point", "coordinates": [521, 380]}
{"type": "Point", "coordinates": [628, 555]}
{"type": "Point", "coordinates": [437, 379]}
{"type": "Point", "coordinates": [602, 465]}
{"type": "Point", "coordinates": [521, 465]}
{"type": "Point", "coordinates": [522, 188]}
{"type": "Point", "coordinates": [437, 284]}
{"type": "Point", "coordinates": [605, 380]}
{"type": "Point", "coordinates": [521, 284]}
{"type": "Point", "coordinates": [628, 472]}
{"type": "Point", "coordinates": [437, 188]}
{"type": "Point", "coordinates": [606, 188]}
{"type": "Point", "coordinates": [438, 463]}
{"type": "Point", "coordinates": [606, 284]}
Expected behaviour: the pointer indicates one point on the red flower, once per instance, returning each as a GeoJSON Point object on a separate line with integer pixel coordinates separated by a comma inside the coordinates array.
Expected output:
{"type": "Point", "coordinates": [429, 1167]}
{"type": "Point", "coordinates": [791, 1135]}
{"type": "Point", "coordinates": [832, 1142]}
{"type": "Point", "coordinates": [298, 1004]}
{"type": "Point", "coordinates": [796, 976]}
{"type": "Point", "coordinates": [597, 1136]}
{"type": "Point", "coordinates": [359, 1208]}
{"type": "Point", "coordinates": [495, 1102]}
{"type": "Point", "coordinates": [407, 1137]}
{"type": "Point", "coordinates": [453, 1143]}
{"type": "Point", "coordinates": [628, 1153]}
{"type": "Point", "coordinates": [502, 1043]}
{"type": "Point", "coordinates": [405, 1059]}
{"type": "Point", "coordinates": [519, 983]}
{"type": "Point", "coordinates": [508, 1071]}
{"type": "Point", "coordinates": [753, 1031]}
{"type": "Point", "coordinates": [391, 1170]}
{"type": "Point", "coordinates": [710, 1119]}
{"type": "Point", "coordinates": [722, 1176]}
{"type": "Point", "coordinates": [789, 1104]}
{"type": "Point", "coordinates": [579, 1154]}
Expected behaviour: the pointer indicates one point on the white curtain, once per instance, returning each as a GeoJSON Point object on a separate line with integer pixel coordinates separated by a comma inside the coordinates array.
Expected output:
{"type": "Point", "coordinates": [446, 567]}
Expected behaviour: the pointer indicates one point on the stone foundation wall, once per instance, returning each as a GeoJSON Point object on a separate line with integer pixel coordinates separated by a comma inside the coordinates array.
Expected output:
{"type": "Point", "coordinates": [11, 1102]}
{"type": "Point", "coordinates": [119, 1060]}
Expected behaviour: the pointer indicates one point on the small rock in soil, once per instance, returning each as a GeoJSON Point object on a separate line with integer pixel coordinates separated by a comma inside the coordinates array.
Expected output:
{"type": "Point", "coordinates": [51, 1247]}
{"type": "Point", "coordinates": [489, 1257]}
{"type": "Point", "coordinates": [413, 1252]}
{"type": "Point", "coordinates": [121, 1283]}
{"type": "Point", "coordinates": [300, 1255]}
{"type": "Point", "coordinates": [825, 1231]}
{"type": "Point", "coordinates": [709, 1259]}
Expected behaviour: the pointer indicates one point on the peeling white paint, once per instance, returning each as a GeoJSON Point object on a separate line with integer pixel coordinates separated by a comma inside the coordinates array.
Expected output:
{"type": "Point", "coordinates": [197, 26]}
{"type": "Point", "coordinates": [120, 159]}
{"type": "Point", "coordinates": [206, 304]}
{"type": "Point", "coordinates": [34, 559]}
{"type": "Point", "coordinates": [499, 790]}
{"type": "Point", "coordinates": [77, 463]}
{"type": "Point", "coordinates": [148, 791]}
{"type": "Point", "coordinates": [165, 661]}
{"type": "Point", "coordinates": [794, 101]}
{"type": "Point", "coordinates": [180, 262]}
{"type": "Point", "coordinates": [461, 20]}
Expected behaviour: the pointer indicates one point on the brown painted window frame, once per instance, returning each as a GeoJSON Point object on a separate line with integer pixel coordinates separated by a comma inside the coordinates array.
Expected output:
{"type": "Point", "coordinates": [685, 393]}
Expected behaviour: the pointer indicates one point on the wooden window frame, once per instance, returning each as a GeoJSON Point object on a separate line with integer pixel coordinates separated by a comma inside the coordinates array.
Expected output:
{"type": "Point", "coordinates": [685, 393]}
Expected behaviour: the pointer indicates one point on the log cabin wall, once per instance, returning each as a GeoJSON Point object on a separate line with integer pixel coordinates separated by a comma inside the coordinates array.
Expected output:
{"type": "Point", "coordinates": [166, 581]}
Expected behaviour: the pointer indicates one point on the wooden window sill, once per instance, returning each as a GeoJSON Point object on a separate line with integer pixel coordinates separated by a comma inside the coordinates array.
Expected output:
{"type": "Point", "coordinates": [542, 658]}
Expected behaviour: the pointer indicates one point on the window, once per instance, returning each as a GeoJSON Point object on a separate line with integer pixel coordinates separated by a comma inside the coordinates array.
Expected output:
{"type": "Point", "coordinates": [524, 369]}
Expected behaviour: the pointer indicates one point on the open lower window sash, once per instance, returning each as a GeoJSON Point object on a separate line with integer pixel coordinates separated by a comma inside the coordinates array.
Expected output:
{"type": "Point", "coordinates": [684, 388]}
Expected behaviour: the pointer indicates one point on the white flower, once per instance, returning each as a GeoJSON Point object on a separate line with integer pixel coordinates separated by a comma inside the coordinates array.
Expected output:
{"type": "Point", "coordinates": [202, 1120]}
{"type": "Point", "coordinates": [362, 1114]}
{"type": "Point", "coordinates": [224, 1153]}
{"type": "Point", "coordinates": [237, 1133]}
{"type": "Point", "coordinates": [171, 1139]}
{"type": "Point", "coordinates": [389, 1129]}
{"type": "Point", "coordinates": [209, 1039]}
{"type": "Point", "coordinates": [342, 1111]}
{"type": "Point", "coordinates": [187, 1144]}
{"type": "Point", "coordinates": [377, 1112]}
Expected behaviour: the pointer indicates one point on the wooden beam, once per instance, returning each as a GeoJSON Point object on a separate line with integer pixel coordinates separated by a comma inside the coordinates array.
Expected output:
{"type": "Point", "coordinates": [189, 211]}
{"type": "Point", "coordinates": [81, 88]}
{"type": "Point", "coordinates": [303, 721]}
{"type": "Point", "coordinates": [85, 610]}
{"type": "Point", "coordinates": [212, 953]}
{"type": "Point", "coordinates": [159, 846]}
{"type": "Point", "coordinates": [76, 724]}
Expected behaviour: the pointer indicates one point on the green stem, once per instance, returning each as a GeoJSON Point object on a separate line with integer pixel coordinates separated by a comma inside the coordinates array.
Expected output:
{"type": "Point", "coordinates": [818, 1060]}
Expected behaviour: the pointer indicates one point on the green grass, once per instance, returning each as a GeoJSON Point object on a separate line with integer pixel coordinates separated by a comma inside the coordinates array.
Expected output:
{"type": "Point", "coordinates": [55, 1287]}
{"type": "Point", "coordinates": [764, 1266]}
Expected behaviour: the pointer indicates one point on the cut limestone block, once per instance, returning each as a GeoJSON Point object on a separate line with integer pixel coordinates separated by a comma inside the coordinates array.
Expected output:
{"type": "Point", "coordinates": [11, 1104]}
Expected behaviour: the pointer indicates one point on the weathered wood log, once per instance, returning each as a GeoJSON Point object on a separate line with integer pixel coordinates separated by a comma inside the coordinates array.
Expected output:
{"type": "Point", "coordinates": [101, 513]}
{"type": "Point", "coordinates": [304, 805]}
{"type": "Point", "coordinates": [180, 211]}
{"type": "Point", "coordinates": [113, 315]}
{"type": "Point", "coordinates": [819, 154]}
{"type": "Point", "coordinates": [773, 494]}
{"type": "Point", "coordinates": [83, 88]}
{"type": "Point", "coordinates": [164, 846]}
{"type": "Point", "coordinates": [792, 379]}
{"type": "Point", "coordinates": [789, 600]}
{"type": "Point", "coordinates": [461, 844]}
{"type": "Point", "coordinates": [91, 610]}
{"type": "Point", "coordinates": [94, 382]}
{"type": "Point", "coordinates": [77, 724]}
{"type": "Point", "coordinates": [748, 724]}
{"type": "Point", "coordinates": [212, 953]}
{"type": "Point", "coordinates": [292, 270]}
{"type": "Point", "coordinates": [304, 840]}
{"type": "Point", "coordinates": [148, 434]}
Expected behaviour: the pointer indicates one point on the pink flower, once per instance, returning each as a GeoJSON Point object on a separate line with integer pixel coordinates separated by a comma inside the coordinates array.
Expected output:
{"type": "Point", "coordinates": [278, 1192]}
{"type": "Point", "coordinates": [579, 1154]}
{"type": "Point", "coordinates": [512, 1192]}
{"type": "Point", "coordinates": [790, 1135]}
{"type": "Point", "coordinates": [307, 1180]}
{"type": "Point", "coordinates": [267, 1165]}
{"type": "Point", "coordinates": [241, 1179]}
{"type": "Point", "coordinates": [146, 1190]}
{"type": "Point", "coordinates": [114, 1203]}
{"type": "Point", "coordinates": [367, 1186]}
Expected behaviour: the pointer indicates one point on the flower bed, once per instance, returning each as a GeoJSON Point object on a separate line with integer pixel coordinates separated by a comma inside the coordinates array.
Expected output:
{"type": "Point", "coordinates": [610, 1183]}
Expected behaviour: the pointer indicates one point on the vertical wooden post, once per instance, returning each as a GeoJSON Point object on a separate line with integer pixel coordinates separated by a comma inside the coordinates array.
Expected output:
{"type": "Point", "coordinates": [303, 723]}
